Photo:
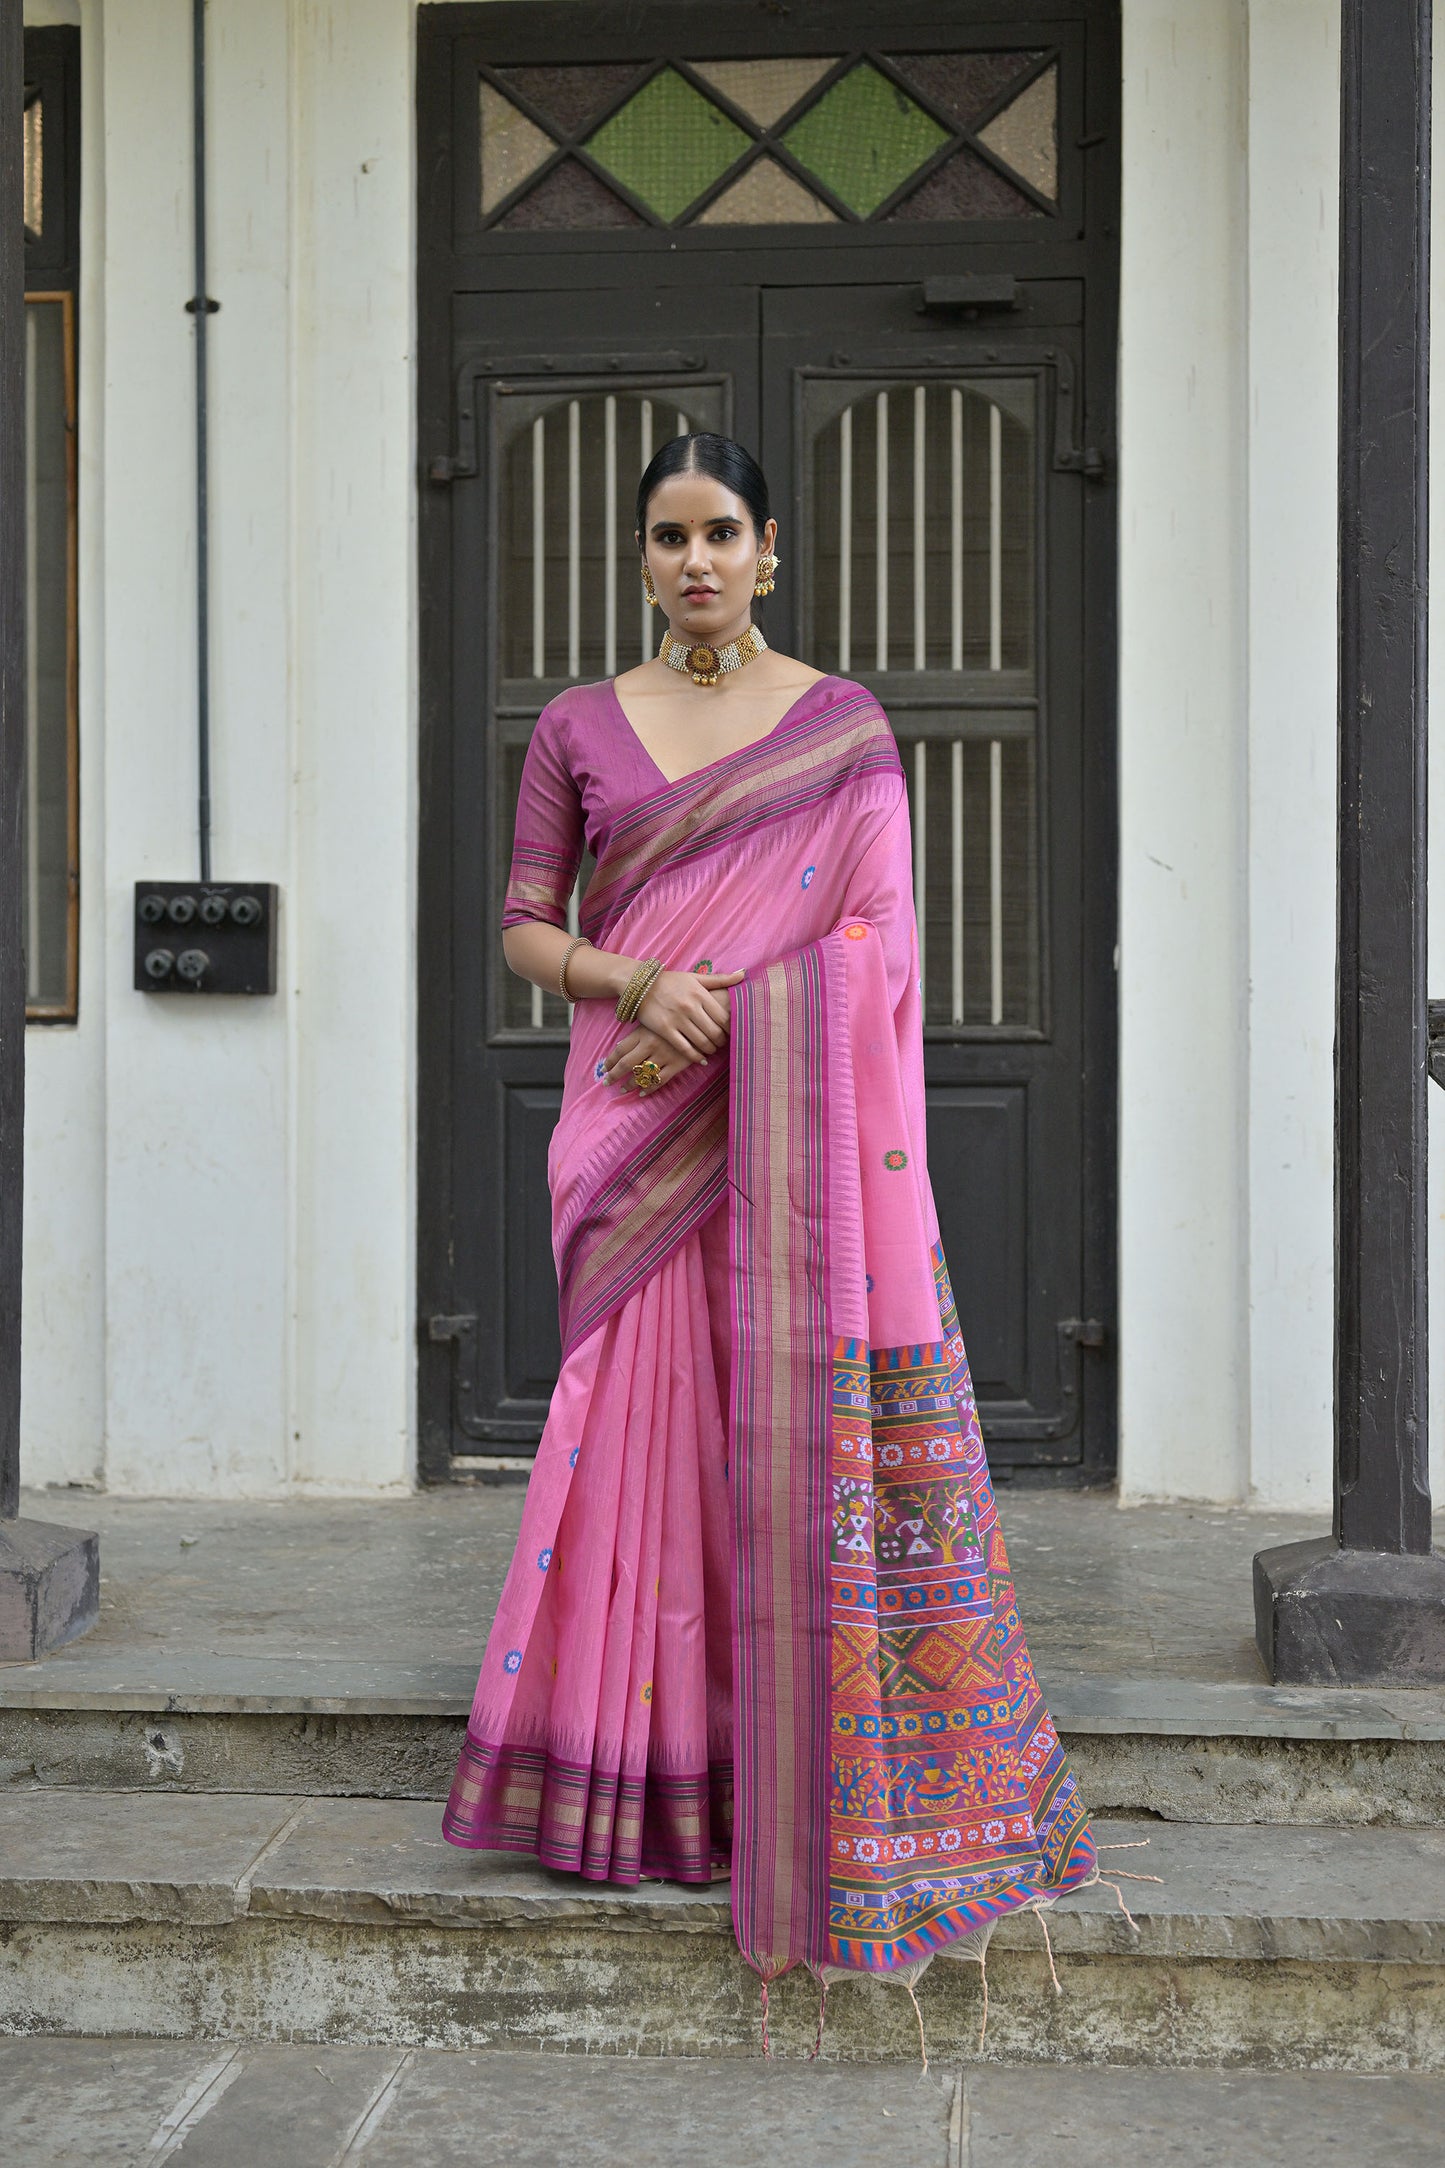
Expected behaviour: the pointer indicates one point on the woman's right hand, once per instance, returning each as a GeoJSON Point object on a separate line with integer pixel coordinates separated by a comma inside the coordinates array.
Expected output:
{"type": "Point", "coordinates": [689, 1011]}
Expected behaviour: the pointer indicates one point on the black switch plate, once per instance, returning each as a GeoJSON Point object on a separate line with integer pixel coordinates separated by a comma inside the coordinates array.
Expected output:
{"type": "Point", "coordinates": [205, 937]}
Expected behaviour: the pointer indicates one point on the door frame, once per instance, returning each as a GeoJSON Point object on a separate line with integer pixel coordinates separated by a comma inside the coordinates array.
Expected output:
{"type": "Point", "coordinates": [450, 263]}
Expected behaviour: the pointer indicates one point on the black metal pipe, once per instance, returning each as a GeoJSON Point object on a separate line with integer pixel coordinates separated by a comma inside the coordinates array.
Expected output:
{"type": "Point", "coordinates": [1382, 1486]}
{"type": "Point", "coordinates": [201, 309]}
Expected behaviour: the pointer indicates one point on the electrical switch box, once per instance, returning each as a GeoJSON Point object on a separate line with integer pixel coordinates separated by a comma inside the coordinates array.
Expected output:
{"type": "Point", "coordinates": [205, 937]}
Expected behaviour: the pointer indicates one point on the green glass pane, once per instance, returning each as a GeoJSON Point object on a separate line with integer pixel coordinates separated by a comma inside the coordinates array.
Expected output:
{"type": "Point", "coordinates": [863, 138]}
{"type": "Point", "coordinates": [668, 144]}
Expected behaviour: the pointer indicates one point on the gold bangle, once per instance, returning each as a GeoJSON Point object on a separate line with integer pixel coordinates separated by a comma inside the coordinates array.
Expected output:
{"type": "Point", "coordinates": [581, 941]}
{"type": "Point", "coordinates": [634, 993]}
{"type": "Point", "coordinates": [654, 972]}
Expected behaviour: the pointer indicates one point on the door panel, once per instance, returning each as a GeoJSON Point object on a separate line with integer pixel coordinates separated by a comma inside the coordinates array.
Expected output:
{"type": "Point", "coordinates": [940, 557]}
{"type": "Point", "coordinates": [555, 411]}
{"type": "Point", "coordinates": [628, 226]}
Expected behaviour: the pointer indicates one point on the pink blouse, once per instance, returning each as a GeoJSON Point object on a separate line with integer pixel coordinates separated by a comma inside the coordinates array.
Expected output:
{"type": "Point", "coordinates": [585, 768]}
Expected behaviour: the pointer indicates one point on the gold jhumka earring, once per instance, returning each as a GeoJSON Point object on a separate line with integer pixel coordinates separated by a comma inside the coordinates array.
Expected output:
{"type": "Point", "coordinates": [766, 576]}
{"type": "Point", "coordinates": [647, 587]}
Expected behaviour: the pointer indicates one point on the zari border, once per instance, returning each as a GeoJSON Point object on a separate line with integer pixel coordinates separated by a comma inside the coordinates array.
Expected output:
{"type": "Point", "coordinates": [779, 1472]}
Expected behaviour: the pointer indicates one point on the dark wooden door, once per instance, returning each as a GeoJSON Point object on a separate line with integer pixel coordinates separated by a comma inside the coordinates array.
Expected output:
{"type": "Point", "coordinates": [563, 397]}
{"type": "Point", "coordinates": [935, 511]}
{"type": "Point", "coordinates": [929, 397]}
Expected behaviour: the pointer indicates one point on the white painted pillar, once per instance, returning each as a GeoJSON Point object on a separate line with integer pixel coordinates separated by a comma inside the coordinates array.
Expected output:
{"type": "Point", "coordinates": [354, 742]}
{"type": "Point", "coordinates": [1183, 948]}
{"type": "Point", "coordinates": [256, 1259]}
{"type": "Point", "coordinates": [1293, 333]}
{"type": "Point", "coordinates": [195, 1104]}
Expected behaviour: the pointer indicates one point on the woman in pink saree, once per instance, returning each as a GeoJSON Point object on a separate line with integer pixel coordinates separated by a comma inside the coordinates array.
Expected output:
{"type": "Point", "coordinates": [760, 1616]}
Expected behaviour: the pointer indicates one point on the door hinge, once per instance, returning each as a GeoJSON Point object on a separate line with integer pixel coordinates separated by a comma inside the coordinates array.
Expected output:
{"type": "Point", "coordinates": [571, 371]}
{"type": "Point", "coordinates": [1083, 1331]}
{"type": "Point", "coordinates": [450, 1328]}
{"type": "Point", "coordinates": [1069, 456]}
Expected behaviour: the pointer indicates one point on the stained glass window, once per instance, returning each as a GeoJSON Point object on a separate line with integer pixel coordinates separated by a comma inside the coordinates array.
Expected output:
{"type": "Point", "coordinates": [1025, 134]}
{"type": "Point", "coordinates": [765, 90]}
{"type": "Point", "coordinates": [668, 144]}
{"type": "Point", "coordinates": [863, 138]}
{"type": "Point", "coordinates": [513, 147]}
{"type": "Point", "coordinates": [963, 87]}
{"type": "Point", "coordinates": [766, 195]}
{"type": "Point", "coordinates": [805, 139]}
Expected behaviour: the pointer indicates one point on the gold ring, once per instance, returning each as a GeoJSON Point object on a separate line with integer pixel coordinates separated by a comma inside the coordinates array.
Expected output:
{"type": "Point", "coordinates": [646, 1074]}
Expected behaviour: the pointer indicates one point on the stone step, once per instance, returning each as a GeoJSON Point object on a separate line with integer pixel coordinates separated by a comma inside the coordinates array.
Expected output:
{"type": "Point", "coordinates": [1187, 1751]}
{"type": "Point", "coordinates": [351, 1921]}
{"type": "Point", "coordinates": [249, 2104]}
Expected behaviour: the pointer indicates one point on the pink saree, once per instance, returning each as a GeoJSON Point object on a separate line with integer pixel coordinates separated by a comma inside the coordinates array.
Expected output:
{"type": "Point", "coordinates": [760, 1610]}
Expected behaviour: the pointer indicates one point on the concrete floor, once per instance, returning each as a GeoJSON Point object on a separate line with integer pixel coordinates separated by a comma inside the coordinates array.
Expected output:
{"type": "Point", "coordinates": [109, 2101]}
{"type": "Point", "coordinates": [1155, 1591]}
{"type": "Point", "coordinates": [1138, 1618]}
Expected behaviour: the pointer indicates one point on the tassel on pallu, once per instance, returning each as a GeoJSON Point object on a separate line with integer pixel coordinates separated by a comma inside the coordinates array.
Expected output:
{"type": "Point", "coordinates": [898, 1780]}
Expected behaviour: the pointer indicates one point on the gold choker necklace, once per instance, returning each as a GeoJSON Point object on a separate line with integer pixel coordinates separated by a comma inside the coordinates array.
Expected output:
{"type": "Point", "coordinates": [707, 664]}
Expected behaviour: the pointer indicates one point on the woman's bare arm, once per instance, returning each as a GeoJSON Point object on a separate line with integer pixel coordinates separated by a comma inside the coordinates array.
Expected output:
{"type": "Point", "coordinates": [688, 1011]}
{"type": "Point", "coordinates": [535, 951]}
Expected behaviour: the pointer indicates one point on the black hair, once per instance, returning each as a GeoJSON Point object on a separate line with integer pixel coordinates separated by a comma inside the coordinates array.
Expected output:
{"type": "Point", "coordinates": [723, 458]}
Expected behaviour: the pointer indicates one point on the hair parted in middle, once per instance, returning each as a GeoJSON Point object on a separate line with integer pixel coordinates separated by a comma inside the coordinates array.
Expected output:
{"type": "Point", "coordinates": [722, 458]}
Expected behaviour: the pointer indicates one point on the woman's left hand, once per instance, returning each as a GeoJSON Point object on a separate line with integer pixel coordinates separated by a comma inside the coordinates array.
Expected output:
{"type": "Point", "coordinates": [640, 1044]}
{"type": "Point", "coordinates": [644, 1046]}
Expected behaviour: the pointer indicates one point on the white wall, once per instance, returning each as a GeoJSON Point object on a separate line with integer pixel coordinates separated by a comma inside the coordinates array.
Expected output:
{"type": "Point", "coordinates": [1182, 753]}
{"type": "Point", "coordinates": [1227, 724]}
{"type": "Point", "coordinates": [1292, 434]}
{"type": "Point", "coordinates": [220, 1219]}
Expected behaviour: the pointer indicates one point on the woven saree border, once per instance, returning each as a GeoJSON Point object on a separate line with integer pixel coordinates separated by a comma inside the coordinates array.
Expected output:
{"type": "Point", "coordinates": [780, 1395]}
{"type": "Point", "coordinates": [793, 769]}
{"type": "Point", "coordinates": [642, 1212]}
{"type": "Point", "coordinates": [590, 1820]}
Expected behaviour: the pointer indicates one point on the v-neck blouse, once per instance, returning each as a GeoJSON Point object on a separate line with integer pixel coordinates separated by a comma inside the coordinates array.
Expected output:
{"type": "Point", "coordinates": [585, 768]}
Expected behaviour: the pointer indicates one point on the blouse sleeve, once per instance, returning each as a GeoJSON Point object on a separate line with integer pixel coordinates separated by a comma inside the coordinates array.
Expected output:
{"type": "Point", "coordinates": [547, 847]}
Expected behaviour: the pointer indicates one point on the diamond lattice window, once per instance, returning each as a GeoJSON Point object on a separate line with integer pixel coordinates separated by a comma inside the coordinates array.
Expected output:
{"type": "Point", "coordinates": [795, 141]}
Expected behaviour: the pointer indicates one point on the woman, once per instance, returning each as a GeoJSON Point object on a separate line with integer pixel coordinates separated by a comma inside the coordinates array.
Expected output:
{"type": "Point", "coordinates": [760, 1614]}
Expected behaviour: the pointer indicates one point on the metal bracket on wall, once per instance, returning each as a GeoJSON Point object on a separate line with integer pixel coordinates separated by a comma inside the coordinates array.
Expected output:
{"type": "Point", "coordinates": [1074, 1334]}
{"type": "Point", "coordinates": [461, 464]}
{"type": "Point", "coordinates": [1070, 457]}
{"type": "Point", "coordinates": [969, 297]}
{"type": "Point", "coordinates": [1435, 1011]}
{"type": "Point", "coordinates": [496, 1432]}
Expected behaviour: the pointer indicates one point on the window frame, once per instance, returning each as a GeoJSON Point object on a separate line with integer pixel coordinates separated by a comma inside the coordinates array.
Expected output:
{"type": "Point", "coordinates": [52, 277]}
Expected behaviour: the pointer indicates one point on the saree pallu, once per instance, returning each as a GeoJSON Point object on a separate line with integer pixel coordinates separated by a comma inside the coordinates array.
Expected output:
{"type": "Point", "coordinates": [764, 1433]}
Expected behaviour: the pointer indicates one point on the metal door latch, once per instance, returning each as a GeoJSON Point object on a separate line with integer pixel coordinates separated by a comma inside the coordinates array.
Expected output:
{"type": "Point", "coordinates": [969, 296]}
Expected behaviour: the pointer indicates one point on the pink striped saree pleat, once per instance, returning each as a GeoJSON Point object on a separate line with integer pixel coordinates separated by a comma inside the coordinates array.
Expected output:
{"type": "Point", "coordinates": [600, 1737]}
